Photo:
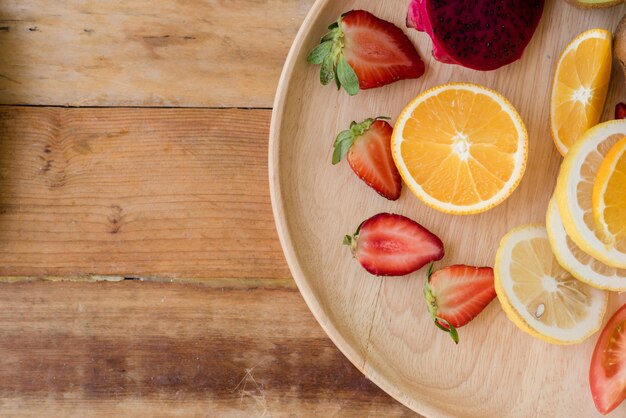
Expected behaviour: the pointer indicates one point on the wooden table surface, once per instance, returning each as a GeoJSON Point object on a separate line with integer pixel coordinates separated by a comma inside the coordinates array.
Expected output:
{"type": "Point", "coordinates": [141, 270]}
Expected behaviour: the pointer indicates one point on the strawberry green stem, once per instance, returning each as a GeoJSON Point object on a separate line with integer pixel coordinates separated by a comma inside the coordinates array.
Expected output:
{"type": "Point", "coordinates": [329, 55]}
{"type": "Point", "coordinates": [431, 304]}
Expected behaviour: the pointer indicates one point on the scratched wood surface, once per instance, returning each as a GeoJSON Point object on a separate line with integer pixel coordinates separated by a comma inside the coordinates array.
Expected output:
{"type": "Point", "coordinates": [145, 52]}
{"type": "Point", "coordinates": [157, 349]}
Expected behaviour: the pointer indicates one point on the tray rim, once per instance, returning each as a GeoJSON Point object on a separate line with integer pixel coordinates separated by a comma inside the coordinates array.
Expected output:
{"type": "Point", "coordinates": [286, 241]}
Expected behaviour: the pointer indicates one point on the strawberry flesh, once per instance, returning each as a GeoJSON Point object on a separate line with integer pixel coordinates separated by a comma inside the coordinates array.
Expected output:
{"type": "Point", "coordinates": [393, 245]}
{"type": "Point", "coordinates": [620, 111]}
{"type": "Point", "coordinates": [457, 294]}
{"type": "Point", "coordinates": [378, 51]}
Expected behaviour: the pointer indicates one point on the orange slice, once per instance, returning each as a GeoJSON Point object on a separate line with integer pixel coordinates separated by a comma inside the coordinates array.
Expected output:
{"type": "Point", "coordinates": [580, 85]}
{"type": "Point", "coordinates": [609, 198]}
{"type": "Point", "coordinates": [461, 148]}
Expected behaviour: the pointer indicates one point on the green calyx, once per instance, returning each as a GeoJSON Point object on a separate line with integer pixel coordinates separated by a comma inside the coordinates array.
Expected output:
{"type": "Point", "coordinates": [346, 138]}
{"type": "Point", "coordinates": [431, 303]}
{"type": "Point", "coordinates": [352, 240]}
{"type": "Point", "coordinates": [329, 54]}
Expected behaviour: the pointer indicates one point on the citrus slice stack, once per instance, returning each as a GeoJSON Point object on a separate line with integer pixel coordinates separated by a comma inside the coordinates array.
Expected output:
{"type": "Point", "coordinates": [574, 192]}
{"type": "Point", "coordinates": [580, 85]}
{"type": "Point", "coordinates": [609, 198]}
{"type": "Point", "coordinates": [538, 295]}
{"type": "Point", "coordinates": [580, 264]}
{"type": "Point", "coordinates": [461, 148]}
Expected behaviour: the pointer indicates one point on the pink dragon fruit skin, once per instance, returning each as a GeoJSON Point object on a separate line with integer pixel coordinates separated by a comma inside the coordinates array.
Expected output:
{"type": "Point", "coordinates": [414, 16]}
{"type": "Point", "coordinates": [479, 34]}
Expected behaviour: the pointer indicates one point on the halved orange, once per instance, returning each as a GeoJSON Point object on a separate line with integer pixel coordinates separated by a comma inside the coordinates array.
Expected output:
{"type": "Point", "coordinates": [581, 81]}
{"type": "Point", "coordinates": [461, 148]}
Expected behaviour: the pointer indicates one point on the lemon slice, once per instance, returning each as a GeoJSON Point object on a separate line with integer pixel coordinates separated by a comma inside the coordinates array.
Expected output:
{"type": "Point", "coordinates": [580, 264]}
{"type": "Point", "coordinates": [461, 148]}
{"type": "Point", "coordinates": [538, 295]}
{"type": "Point", "coordinates": [609, 198]}
{"type": "Point", "coordinates": [574, 189]}
{"type": "Point", "coordinates": [581, 81]}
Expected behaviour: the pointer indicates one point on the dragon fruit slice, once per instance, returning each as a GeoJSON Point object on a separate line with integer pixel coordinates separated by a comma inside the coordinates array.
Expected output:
{"type": "Point", "coordinates": [478, 34]}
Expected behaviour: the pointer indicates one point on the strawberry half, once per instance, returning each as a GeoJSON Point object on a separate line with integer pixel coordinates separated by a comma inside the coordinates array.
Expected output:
{"type": "Point", "coordinates": [456, 294]}
{"type": "Point", "coordinates": [620, 111]}
{"type": "Point", "coordinates": [393, 245]}
{"type": "Point", "coordinates": [362, 51]}
{"type": "Point", "coordinates": [368, 147]}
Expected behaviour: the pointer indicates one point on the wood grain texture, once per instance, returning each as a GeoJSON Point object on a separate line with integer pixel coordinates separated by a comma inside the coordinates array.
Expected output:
{"type": "Point", "coordinates": [168, 193]}
{"type": "Point", "coordinates": [97, 349]}
{"type": "Point", "coordinates": [145, 53]}
{"type": "Point", "coordinates": [383, 325]}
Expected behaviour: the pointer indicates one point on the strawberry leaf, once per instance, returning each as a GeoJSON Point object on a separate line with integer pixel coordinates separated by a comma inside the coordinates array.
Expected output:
{"type": "Point", "coordinates": [430, 272]}
{"type": "Point", "coordinates": [327, 72]}
{"type": "Point", "coordinates": [431, 301]}
{"type": "Point", "coordinates": [333, 34]}
{"type": "Point", "coordinates": [347, 77]}
{"type": "Point", "coordinates": [329, 55]}
{"type": "Point", "coordinates": [351, 241]}
{"type": "Point", "coordinates": [346, 138]}
{"type": "Point", "coordinates": [347, 240]}
{"type": "Point", "coordinates": [319, 53]}
{"type": "Point", "coordinates": [343, 142]}
{"type": "Point", "coordinates": [450, 330]}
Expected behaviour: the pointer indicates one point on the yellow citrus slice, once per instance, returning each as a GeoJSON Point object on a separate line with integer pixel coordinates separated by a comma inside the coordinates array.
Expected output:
{"type": "Point", "coordinates": [538, 295]}
{"type": "Point", "coordinates": [581, 81]}
{"type": "Point", "coordinates": [461, 148]}
{"type": "Point", "coordinates": [609, 197]}
{"type": "Point", "coordinates": [574, 190]}
{"type": "Point", "coordinates": [580, 264]}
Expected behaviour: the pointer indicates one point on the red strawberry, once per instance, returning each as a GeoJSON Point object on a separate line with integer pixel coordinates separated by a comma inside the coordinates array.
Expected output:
{"type": "Point", "coordinates": [620, 111]}
{"type": "Point", "coordinates": [456, 294]}
{"type": "Point", "coordinates": [368, 146]}
{"type": "Point", "coordinates": [363, 51]}
{"type": "Point", "coordinates": [393, 245]}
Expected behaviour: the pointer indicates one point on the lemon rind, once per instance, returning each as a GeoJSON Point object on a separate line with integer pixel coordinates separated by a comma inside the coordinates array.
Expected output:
{"type": "Point", "coordinates": [582, 272]}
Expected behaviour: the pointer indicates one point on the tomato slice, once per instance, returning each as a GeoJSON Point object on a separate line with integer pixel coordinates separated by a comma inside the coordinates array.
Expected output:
{"type": "Point", "coordinates": [607, 375]}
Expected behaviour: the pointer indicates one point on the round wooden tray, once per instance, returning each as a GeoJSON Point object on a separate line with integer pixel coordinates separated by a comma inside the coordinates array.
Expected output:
{"type": "Point", "coordinates": [381, 324]}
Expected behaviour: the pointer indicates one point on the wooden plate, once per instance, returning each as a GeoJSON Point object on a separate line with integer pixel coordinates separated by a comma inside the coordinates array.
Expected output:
{"type": "Point", "coordinates": [382, 325]}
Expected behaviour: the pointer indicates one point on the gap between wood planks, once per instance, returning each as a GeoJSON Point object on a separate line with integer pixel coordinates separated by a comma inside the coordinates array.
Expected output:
{"type": "Point", "coordinates": [137, 107]}
{"type": "Point", "coordinates": [226, 283]}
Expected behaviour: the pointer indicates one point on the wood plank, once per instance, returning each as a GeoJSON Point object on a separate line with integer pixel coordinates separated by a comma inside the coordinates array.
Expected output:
{"type": "Point", "coordinates": [162, 193]}
{"type": "Point", "coordinates": [96, 349]}
{"type": "Point", "coordinates": [145, 52]}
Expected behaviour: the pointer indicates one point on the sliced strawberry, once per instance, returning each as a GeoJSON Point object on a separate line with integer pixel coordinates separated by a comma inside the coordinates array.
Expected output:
{"type": "Point", "coordinates": [368, 147]}
{"type": "Point", "coordinates": [607, 374]}
{"type": "Point", "coordinates": [456, 294]}
{"type": "Point", "coordinates": [620, 111]}
{"type": "Point", "coordinates": [393, 245]}
{"type": "Point", "coordinates": [362, 51]}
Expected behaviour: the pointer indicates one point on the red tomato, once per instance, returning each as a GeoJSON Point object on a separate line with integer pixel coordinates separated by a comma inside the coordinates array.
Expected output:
{"type": "Point", "coordinates": [607, 375]}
